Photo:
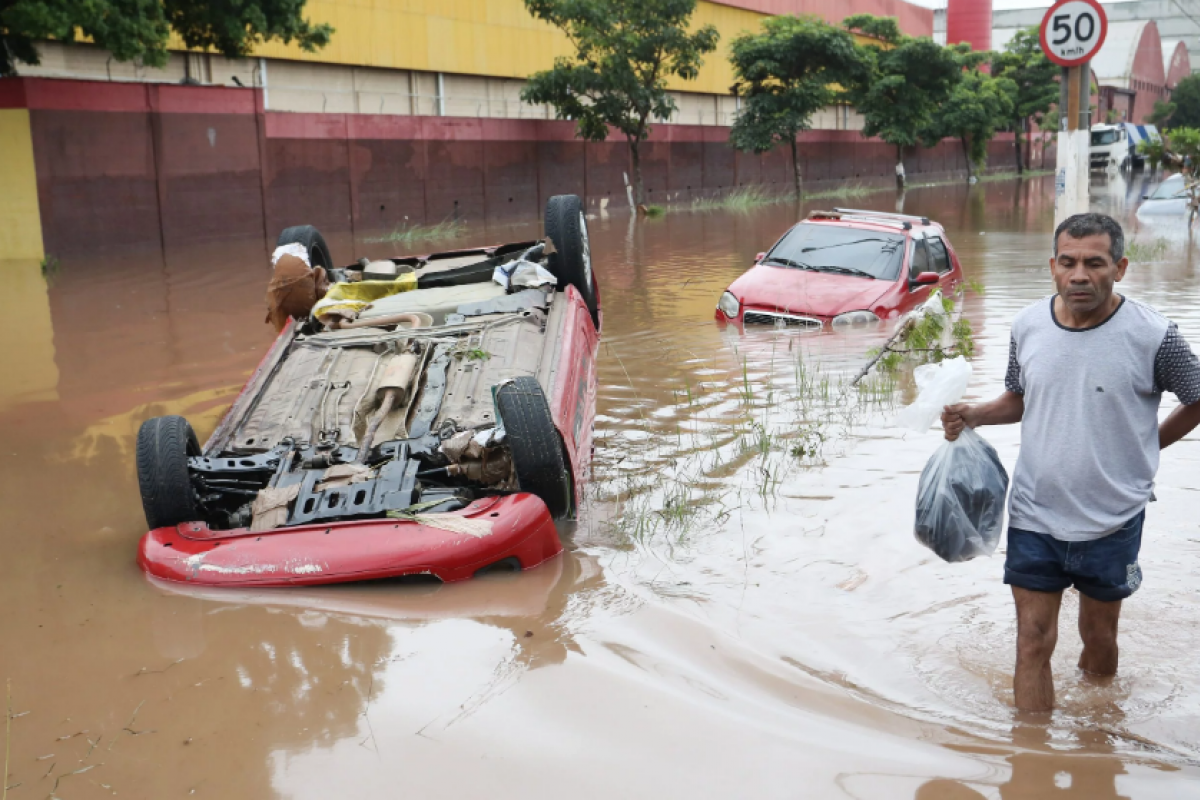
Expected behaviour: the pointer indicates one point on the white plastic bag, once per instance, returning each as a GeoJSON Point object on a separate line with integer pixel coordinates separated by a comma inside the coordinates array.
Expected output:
{"type": "Point", "coordinates": [292, 249]}
{"type": "Point", "coordinates": [938, 385]}
{"type": "Point", "coordinates": [525, 274]}
{"type": "Point", "coordinates": [960, 499]}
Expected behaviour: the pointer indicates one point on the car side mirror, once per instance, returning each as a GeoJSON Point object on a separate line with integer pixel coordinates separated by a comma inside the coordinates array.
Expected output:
{"type": "Point", "coordinates": [758, 258]}
{"type": "Point", "coordinates": [926, 278]}
{"type": "Point", "coordinates": [1145, 197]}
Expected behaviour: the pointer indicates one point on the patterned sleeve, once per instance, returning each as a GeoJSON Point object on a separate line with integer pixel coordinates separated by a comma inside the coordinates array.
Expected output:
{"type": "Point", "coordinates": [1012, 379]}
{"type": "Point", "coordinates": [1176, 368]}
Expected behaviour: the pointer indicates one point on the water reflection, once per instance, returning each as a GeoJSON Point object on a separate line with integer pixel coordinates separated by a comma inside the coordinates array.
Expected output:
{"type": "Point", "coordinates": [762, 616]}
{"type": "Point", "coordinates": [1087, 771]}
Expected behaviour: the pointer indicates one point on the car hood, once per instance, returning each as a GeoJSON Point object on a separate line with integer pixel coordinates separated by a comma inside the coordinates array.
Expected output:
{"type": "Point", "coordinates": [798, 291]}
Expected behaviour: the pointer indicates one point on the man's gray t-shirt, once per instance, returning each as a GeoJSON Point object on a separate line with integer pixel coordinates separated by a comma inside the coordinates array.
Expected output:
{"type": "Point", "coordinates": [1089, 435]}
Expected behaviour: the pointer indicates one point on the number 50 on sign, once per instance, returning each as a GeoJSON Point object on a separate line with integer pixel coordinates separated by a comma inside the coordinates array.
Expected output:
{"type": "Point", "coordinates": [1073, 31]}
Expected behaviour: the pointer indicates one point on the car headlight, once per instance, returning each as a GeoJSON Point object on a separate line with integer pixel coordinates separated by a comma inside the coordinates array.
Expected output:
{"type": "Point", "coordinates": [855, 319]}
{"type": "Point", "coordinates": [729, 305]}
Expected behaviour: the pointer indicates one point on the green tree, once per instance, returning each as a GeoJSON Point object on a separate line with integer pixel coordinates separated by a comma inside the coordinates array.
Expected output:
{"type": "Point", "coordinates": [1036, 78]}
{"type": "Point", "coordinates": [1162, 112]}
{"type": "Point", "coordinates": [791, 70]}
{"type": "Point", "coordinates": [907, 79]}
{"type": "Point", "coordinates": [1186, 99]}
{"type": "Point", "coordinates": [978, 105]}
{"type": "Point", "coordinates": [1048, 124]}
{"type": "Point", "coordinates": [625, 50]}
{"type": "Point", "coordinates": [1154, 151]}
{"type": "Point", "coordinates": [139, 29]}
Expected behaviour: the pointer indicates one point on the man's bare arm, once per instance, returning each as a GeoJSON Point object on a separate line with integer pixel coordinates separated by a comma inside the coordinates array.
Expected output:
{"type": "Point", "coordinates": [1178, 424]}
{"type": "Point", "coordinates": [1004, 410]}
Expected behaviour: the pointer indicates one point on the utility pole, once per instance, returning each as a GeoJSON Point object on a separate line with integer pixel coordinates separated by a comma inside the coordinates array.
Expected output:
{"type": "Point", "coordinates": [1072, 32]}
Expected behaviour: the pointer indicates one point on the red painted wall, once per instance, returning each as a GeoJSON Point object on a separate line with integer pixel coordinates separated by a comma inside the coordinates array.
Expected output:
{"type": "Point", "coordinates": [163, 165]}
{"type": "Point", "coordinates": [913, 19]}
{"type": "Point", "coordinates": [969, 21]}
{"type": "Point", "coordinates": [1180, 65]}
{"type": "Point", "coordinates": [1147, 79]}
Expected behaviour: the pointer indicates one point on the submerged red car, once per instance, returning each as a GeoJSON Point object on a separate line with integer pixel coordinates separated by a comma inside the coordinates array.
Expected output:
{"type": "Point", "coordinates": [843, 267]}
{"type": "Point", "coordinates": [440, 433]}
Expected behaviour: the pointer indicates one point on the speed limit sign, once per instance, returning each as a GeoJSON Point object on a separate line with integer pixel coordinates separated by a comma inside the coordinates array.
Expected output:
{"type": "Point", "coordinates": [1072, 31]}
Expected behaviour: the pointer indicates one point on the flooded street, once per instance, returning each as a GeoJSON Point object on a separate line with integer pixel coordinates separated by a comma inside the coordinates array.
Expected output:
{"type": "Point", "coordinates": [742, 610]}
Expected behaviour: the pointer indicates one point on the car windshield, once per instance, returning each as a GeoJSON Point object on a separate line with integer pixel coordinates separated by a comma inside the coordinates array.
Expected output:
{"type": "Point", "coordinates": [1104, 137]}
{"type": "Point", "coordinates": [1170, 188]}
{"type": "Point", "coordinates": [849, 251]}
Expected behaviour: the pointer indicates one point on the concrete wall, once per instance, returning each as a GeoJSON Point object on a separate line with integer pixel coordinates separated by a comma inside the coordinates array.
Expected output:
{"type": "Point", "coordinates": [344, 89]}
{"type": "Point", "coordinates": [160, 166]}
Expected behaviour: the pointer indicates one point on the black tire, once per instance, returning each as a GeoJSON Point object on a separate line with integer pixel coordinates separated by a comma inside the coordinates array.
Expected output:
{"type": "Point", "coordinates": [163, 447]}
{"type": "Point", "coordinates": [537, 450]}
{"type": "Point", "coordinates": [572, 263]}
{"type": "Point", "coordinates": [313, 241]}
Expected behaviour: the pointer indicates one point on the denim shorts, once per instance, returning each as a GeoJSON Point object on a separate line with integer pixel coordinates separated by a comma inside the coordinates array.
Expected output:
{"type": "Point", "coordinates": [1103, 569]}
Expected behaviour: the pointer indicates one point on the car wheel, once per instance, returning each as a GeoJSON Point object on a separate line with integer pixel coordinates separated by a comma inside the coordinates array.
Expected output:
{"type": "Point", "coordinates": [572, 263]}
{"type": "Point", "coordinates": [537, 451]}
{"type": "Point", "coordinates": [313, 242]}
{"type": "Point", "coordinates": [163, 447]}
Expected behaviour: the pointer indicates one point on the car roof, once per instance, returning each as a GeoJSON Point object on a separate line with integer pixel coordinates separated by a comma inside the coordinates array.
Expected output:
{"type": "Point", "coordinates": [875, 220]}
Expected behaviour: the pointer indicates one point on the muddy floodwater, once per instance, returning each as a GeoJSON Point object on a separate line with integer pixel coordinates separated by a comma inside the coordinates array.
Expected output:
{"type": "Point", "coordinates": [742, 610]}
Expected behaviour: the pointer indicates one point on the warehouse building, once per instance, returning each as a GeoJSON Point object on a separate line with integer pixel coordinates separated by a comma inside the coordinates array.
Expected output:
{"type": "Point", "coordinates": [1143, 58]}
{"type": "Point", "coordinates": [410, 115]}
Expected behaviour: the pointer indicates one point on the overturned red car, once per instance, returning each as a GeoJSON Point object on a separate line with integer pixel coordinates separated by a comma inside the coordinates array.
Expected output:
{"type": "Point", "coordinates": [846, 267]}
{"type": "Point", "coordinates": [436, 429]}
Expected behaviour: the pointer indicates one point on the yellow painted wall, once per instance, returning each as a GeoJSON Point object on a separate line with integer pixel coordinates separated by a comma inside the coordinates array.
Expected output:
{"type": "Point", "coordinates": [497, 38]}
{"type": "Point", "coordinates": [29, 373]}
{"type": "Point", "coordinates": [20, 221]}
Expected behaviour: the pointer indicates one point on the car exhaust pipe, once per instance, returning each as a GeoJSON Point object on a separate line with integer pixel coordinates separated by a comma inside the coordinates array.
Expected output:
{"type": "Point", "coordinates": [393, 390]}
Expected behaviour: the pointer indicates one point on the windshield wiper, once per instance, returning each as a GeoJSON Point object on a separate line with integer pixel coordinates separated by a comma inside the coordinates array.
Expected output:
{"type": "Point", "coordinates": [843, 244]}
{"type": "Point", "coordinates": [844, 271]}
{"type": "Point", "coordinates": [787, 262]}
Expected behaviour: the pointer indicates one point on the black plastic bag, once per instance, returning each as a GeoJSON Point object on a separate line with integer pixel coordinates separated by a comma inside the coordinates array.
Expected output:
{"type": "Point", "coordinates": [960, 499]}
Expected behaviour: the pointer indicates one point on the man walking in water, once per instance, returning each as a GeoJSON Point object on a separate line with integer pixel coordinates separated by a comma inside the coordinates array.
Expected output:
{"type": "Point", "coordinates": [1086, 370]}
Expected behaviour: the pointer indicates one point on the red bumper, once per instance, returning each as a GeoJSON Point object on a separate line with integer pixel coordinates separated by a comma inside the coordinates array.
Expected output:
{"type": "Point", "coordinates": [520, 529]}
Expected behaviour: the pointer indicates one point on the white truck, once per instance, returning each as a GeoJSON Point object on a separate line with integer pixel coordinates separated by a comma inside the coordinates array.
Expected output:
{"type": "Point", "coordinates": [1115, 146]}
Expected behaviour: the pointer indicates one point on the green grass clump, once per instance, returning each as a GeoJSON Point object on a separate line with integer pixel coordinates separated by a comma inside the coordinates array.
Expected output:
{"type": "Point", "coordinates": [746, 198]}
{"type": "Point", "coordinates": [1008, 176]}
{"type": "Point", "coordinates": [845, 191]}
{"type": "Point", "coordinates": [1146, 251]}
{"type": "Point", "coordinates": [655, 211]}
{"type": "Point", "coordinates": [50, 266]}
{"type": "Point", "coordinates": [408, 234]}
{"type": "Point", "coordinates": [742, 198]}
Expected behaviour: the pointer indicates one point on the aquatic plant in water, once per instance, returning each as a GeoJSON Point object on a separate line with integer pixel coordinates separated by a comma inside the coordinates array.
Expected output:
{"type": "Point", "coordinates": [408, 234]}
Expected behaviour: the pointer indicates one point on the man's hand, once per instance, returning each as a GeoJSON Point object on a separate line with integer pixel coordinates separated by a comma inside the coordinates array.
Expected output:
{"type": "Point", "coordinates": [955, 418]}
{"type": "Point", "coordinates": [1004, 410]}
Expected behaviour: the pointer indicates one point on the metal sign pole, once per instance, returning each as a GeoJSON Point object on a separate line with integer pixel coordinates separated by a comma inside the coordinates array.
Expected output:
{"type": "Point", "coordinates": [1072, 32]}
{"type": "Point", "coordinates": [1074, 139]}
{"type": "Point", "coordinates": [1083, 161]}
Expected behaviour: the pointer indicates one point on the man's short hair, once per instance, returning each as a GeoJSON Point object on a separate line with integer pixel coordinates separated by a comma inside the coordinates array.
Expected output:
{"type": "Point", "coordinates": [1078, 226]}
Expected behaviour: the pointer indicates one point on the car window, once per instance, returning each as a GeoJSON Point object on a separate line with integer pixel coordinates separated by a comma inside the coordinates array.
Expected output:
{"type": "Point", "coordinates": [920, 259]}
{"type": "Point", "coordinates": [1170, 188]}
{"type": "Point", "coordinates": [938, 255]}
{"type": "Point", "coordinates": [829, 248]}
{"type": "Point", "coordinates": [1104, 137]}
